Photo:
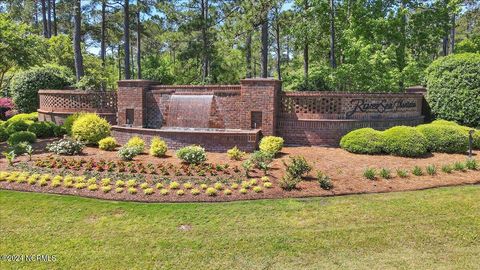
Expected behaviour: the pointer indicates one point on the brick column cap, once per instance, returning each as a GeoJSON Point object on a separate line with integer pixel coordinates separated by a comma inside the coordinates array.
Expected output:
{"type": "Point", "coordinates": [254, 80]}
{"type": "Point", "coordinates": [136, 83]}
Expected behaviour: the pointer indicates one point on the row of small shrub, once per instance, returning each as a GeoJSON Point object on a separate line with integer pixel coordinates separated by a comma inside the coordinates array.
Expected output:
{"type": "Point", "coordinates": [438, 136]}
{"type": "Point", "coordinates": [385, 173]}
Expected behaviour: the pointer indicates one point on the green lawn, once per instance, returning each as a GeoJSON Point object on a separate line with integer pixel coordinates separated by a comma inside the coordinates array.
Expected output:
{"type": "Point", "coordinates": [432, 229]}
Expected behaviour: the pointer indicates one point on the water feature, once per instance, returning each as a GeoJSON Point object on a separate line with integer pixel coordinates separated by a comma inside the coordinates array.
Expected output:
{"type": "Point", "coordinates": [191, 111]}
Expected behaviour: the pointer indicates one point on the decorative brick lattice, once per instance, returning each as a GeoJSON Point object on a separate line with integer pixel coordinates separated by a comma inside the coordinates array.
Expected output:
{"type": "Point", "coordinates": [310, 105]}
{"type": "Point", "coordinates": [76, 101]}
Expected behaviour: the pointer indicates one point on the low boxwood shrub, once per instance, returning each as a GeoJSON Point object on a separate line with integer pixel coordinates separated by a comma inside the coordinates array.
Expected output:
{"type": "Point", "coordinates": [33, 116]}
{"type": "Point", "coordinates": [445, 138]}
{"type": "Point", "coordinates": [363, 141]}
{"type": "Point", "coordinates": [65, 147]}
{"type": "Point", "coordinates": [43, 129]}
{"type": "Point", "coordinates": [21, 136]}
{"type": "Point", "coordinates": [271, 144]}
{"type": "Point", "coordinates": [405, 141]}
{"type": "Point", "coordinates": [192, 154]}
{"type": "Point", "coordinates": [136, 141]}
{"type": "Point", "coordinates": [158, 147]}
{"type": "Point", "coordinates": [90, 128]}
{"type": "Point", "coordinates": [107, 144]}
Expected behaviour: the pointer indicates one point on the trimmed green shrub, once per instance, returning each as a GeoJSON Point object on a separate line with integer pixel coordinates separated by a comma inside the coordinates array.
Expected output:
{"type": "Point", "coordinates": [43, 129]}
{"type": "Point", "coordinates": [136, 141]}
{"type": "Point", "coordinates": [454, 88]}
{"type": "Point", "coordinates": [476, 134]}
{"type": "Point", "coordinates": [90, 128]}
{"type": "Point", "coordinates": [65, 147]}
{"type": "Point", "coordinates": [445, 138]}
{"type": "Point", "coordinates": [192, 154]}
{"type": "Point", "coordinates": [363, 141]}
{"type": "Point", "coordinates": [405, 142]}
{"type": "Point", "coordinates": [3, 134]}
{"type": "Point", "coordinates": [68, 123]}
{"type": "Point", "coordinates": [158, 147]}
{"type": "Point", "coordinates": [25, 85]}
{"type": "Point", "coordinates": [271, 144]}
{"type": "Point", "coordinates": [18, 125]}
{"type": "Point", "coordinates": [107, 144]}
{"type": "Point", "coordinates": [23, 116]}
{"type": "Point", "coordinates": [21, 136]}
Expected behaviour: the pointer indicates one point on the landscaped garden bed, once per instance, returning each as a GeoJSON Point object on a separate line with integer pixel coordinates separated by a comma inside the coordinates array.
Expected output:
{"type": "Point", "coordinates": [222, 179]}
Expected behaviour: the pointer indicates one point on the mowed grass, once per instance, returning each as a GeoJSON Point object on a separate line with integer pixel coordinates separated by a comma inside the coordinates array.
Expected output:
{"type": "Point", "coordinates": [431, 229]}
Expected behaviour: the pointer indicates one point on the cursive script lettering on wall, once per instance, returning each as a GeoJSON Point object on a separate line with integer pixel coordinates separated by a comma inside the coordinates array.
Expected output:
{"type": "Point", "coordinates": [362, 105]}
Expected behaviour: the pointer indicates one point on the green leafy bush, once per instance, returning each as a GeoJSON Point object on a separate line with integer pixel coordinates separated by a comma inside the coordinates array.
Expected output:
{"type": "Point", "coordinates": [297, 167]}
{"type": "Point", "coordinates": [158, 147]}
{"type": "Point", "coordinates": [107, 144]}
{"type": "Point", "coordinates": [271, 144]}
{"type": "Point", "coordinates": [68, 123]}
{"type": "Point", "coordinates": [43, 129]}
{"type": "Point", "coordinates": [454, 88]}
{"type": "Point", "coordinates": [21, 136]}
{"type": "Point", "coordinates": [23, 116]}
{"type": "Point", "coordinates": [65, 147]}
{"type": "Point", "coordinates": [445, 138]}
{"type": "Point", "coordinates": [405, 141]}
{"type": "Point", "coordinates": [129, 152]}
{"type": "Point", "coordinates": [363, 141]}
{"type": "Point", "coordinates": [90, 128]}
{"type": "Point", "coordinates": [192, 154]}
{"type": "Point", "coordinates": [18, 125]}
{"type": "Point", "coordinates": [288, 182]}
{"type": "Point", "coordinates": [235, 153]}
{"type": "Point", "coordinates": [3, 134]}
{"type": "Point", "coordinates": [324, 181]}
{"type": "Point", "coordinates": [136, 141]}
{"type": "Point", "coordinates": [25, 85]}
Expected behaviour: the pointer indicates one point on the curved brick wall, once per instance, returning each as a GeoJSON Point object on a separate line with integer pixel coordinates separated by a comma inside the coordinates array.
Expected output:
{"type": "Point", "coordinates": [56, 105]}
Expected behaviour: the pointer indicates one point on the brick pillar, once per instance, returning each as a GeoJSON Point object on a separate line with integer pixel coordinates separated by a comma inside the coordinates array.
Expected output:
{"type": "Point", "coordinates": [131, 99]}
{"type": "Point", "coordinates": [260, 96]}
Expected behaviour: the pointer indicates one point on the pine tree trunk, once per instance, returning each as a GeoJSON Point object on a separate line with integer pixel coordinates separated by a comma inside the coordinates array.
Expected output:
{"type": "Point", "coordinates": [49, 17]}
{"type": "Point", "coordinates": [103, 33]}
{"type": "Point", "coordinates": [248, 54]}
{"type": "Point", "coordinates": [205, 58]}
{"type": "Point", "coordinates": [54, 9]}
{"type": "Point", "coordinates": [44, 19]}
{"type": "Point", "coordinates": [453, 34]}
{"type": "Point", "coordinates": [79, 72]}
{"type": "Point", "coordinates": [126, 39]}
{"type": "Point", "coordinates": [139, 53]}
{"type": "Point", "coordinates": [332, 34]}
{"type": "Point", "coordinates": [305, 47]}
{"type": "Point", "coordinates": [279, 49]}
{"type": "Point", "coordinates": [264, 62]}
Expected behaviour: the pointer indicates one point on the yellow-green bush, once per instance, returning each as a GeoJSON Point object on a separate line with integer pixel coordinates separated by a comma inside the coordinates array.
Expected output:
{"type": "Point", "coordinates": [136, 141]}
{"type": "Point", "coordinates": [235, 153]}
{"type": "Point", "coordinates": [158, 147]}
{"type": "Point", "coordinates": [90, 128]}
{"type": "Point", "coordinates": [405, 141]}
{"type": "Point", "coordinates": [108, 144]}
{"type": "Point", "coordinates": [271, 144]}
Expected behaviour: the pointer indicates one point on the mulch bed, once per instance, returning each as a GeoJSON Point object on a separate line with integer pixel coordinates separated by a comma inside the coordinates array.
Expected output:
{"type": "Point", "coordinates": [345, 170]}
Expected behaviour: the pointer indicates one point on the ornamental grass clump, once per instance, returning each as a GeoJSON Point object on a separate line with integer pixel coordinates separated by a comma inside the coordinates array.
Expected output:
{"type": "Point", "coordinates": [90, 128]}
{"type": "Point", "coordinates": [459, 166]}
{"type": "Point", "coordinates": [431, 170]}
{"type": "Point", "coordinates": [447, 169]}
{"type": "Point", "coordinates": [385, 173]}
{"type": "Point", "coordinates": [472, 164]}
{"type": "Point", "coordinates": [370, 174]}
{"type": "Point", "coordinates": [417, 171]}
{"type": "Point", "coordinates": [192, 154]}
{"type": "Point", "coordinates": [402, 173]}
{"type": "Point", "coordinates": [363, 141]}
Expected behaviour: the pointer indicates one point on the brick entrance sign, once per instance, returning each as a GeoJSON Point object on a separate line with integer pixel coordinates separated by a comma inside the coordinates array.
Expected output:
{"type": "Point", "coordinates": [219, 117]}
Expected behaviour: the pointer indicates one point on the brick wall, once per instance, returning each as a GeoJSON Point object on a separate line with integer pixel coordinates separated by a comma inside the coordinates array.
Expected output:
{"type": "Point", "coordinates": [217, 141]}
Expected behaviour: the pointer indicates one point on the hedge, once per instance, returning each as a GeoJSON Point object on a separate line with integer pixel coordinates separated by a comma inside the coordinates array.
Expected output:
{"type": "Point", "coordinates": [405, 141]}
{"type": "Point", "coordinates": [21, 136]}
{"type": "Point", "coordinates": [445, 138]}
{"type": "Point", "coordinates": [454, 88]}
{"type": "Point", "coordinates": [363, 141]}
